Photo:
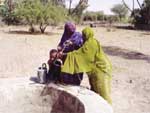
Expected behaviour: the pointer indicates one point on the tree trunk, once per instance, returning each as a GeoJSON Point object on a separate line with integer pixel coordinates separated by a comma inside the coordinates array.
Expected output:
{"type": "Point", "coordinates": [43, 28]}
{"type": "Point", "coordinates": [131, 10]}
{"type": "Point", "coordinates": [139, 4]}
{"type": "Point", "coordinates": [120, 18]}
{"type": "Point", "coordinates": [31, 29]}
{"type": "Point", "coordinates": [70, 3]}
{"type": "Point", "coordinates": [126, 6]}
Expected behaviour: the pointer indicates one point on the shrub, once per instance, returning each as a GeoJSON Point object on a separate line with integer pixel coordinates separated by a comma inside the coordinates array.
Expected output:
{"type": "Point", "coordinates": [40, 13]}
{"type": "Point", "coordinates": [7, 13]}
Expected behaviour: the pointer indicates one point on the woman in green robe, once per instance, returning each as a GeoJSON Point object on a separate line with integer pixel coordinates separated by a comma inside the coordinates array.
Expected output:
{"type": "Point", "coordinates": [90, 58]}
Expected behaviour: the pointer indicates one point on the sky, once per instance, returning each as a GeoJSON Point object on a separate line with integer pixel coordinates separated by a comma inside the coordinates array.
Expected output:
{"type": "Point", "coordinates": [105, 5]}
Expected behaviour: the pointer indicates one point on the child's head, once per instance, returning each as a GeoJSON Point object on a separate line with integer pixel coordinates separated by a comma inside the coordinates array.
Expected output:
{"type": "Point", "coordinates": [53, 54]}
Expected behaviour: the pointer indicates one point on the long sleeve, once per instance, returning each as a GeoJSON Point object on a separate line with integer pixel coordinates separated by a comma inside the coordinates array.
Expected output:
{"type": "Point", "coordinates": [81, 60]}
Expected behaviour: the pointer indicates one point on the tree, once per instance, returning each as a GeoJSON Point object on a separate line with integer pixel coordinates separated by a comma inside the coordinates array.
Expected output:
{"type": "Point", "coordinates": [120, 10]}
{"type": "Point", "coordinates": [43, 14]}
{"type": "Point", "coordinates": [70, 3]}
{"type": "Point", "coordinates": [142, 17]}
{"type": "Point", "coordinates": [133, 6]}
{"type": "Point", "coordinates": [90, 16]}
{"type": "Point", "coordinates": [100, 15]}
{"type": "Point", "coordinates": [77, 12]}
{"type": "Point", "coordinates": [93, 16]}
{"type": "Point", "coordinates": [7, 12]}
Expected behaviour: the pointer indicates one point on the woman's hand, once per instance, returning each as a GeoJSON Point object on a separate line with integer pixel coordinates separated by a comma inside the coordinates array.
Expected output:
{"type": "Point", "coordinates": [60, 54]}
{"type": "Point", "coordinates": [68, 43]}
{"type": "Point", "coordinates": [59, 48]}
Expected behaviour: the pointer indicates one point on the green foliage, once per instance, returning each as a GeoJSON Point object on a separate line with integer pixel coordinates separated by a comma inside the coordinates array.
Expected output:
{"type": "Point", "coordinates": [111, 18]}
{"type": "Point", "coordinates": [93, 16]}
{"type": "Point", "coordinates": [8, 16]}
{"type": "Point", "coordinates": [89, 16]}
{"type": "Point", "coordinates": [40, 13]}
{"type": "Point", "coordinates": [120, 10]}
{"type": "Point", "coordinates": [99, 16]}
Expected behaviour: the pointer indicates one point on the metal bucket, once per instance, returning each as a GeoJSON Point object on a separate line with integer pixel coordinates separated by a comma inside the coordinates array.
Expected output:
{"type": "Point", "coordinates": [42, 73]}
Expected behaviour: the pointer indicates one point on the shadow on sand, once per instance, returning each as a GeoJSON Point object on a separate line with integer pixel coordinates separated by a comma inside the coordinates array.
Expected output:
{"type": "Point", "coordinates": [131, 27]}
{"type": "Point", "coordinates": [127, 27]}
{"type": "Point", "coordinates": [124, 53]}
{"type": "Point", "coordinates": [21, 32]}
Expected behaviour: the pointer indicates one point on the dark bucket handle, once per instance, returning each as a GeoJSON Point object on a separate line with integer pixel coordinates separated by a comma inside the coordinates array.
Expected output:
{"type": "Point", "coordinates": [44, 65]}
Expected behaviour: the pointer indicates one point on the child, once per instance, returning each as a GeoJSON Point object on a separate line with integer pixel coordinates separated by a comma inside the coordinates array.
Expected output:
{"type": "Point", "coordinates": [54, 70]}
{"type": "Point", "coordinates": [52, 56]}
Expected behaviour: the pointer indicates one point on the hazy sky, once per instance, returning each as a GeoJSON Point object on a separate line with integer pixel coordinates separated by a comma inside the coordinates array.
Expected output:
{"type": "Point", "coordinates": [105, 5]}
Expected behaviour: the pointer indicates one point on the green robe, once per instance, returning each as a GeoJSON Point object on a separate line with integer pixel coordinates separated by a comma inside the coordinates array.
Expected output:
{"type": "Point", "coordinates": [91, 58]}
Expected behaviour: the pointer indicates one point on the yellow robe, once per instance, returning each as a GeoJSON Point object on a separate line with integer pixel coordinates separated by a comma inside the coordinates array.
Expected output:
{"type": "Point", "coordinates": [90, 58]}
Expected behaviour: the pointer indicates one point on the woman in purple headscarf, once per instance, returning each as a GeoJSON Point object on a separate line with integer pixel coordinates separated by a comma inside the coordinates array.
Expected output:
{"type": "Point", "coordinates": [70, 35]}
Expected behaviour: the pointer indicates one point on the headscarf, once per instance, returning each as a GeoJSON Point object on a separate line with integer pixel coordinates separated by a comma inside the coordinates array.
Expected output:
{"type": "Point", "coordinates": [69, 29]}
{"type": "Point", "coordinates": [90, 56]}
{"type": "Point", "coordinates": [71, 34]}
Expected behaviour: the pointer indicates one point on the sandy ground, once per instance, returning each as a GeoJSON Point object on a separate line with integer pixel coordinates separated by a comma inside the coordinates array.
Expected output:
{"type": "Point", "coordinates": [21, 54]}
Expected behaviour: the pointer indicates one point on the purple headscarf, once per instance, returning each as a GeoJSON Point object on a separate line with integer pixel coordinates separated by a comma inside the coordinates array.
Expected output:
{"type": "Point", "coordinates": [70, 27]}
{"type": "Point", "coordinates": [71, 34]}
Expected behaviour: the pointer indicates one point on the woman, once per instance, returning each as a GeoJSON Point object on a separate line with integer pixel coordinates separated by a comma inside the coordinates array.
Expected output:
{"type": "Point", "coordinates": [70, 35]}
{"type": "Point", "coordinates": [90, 58]}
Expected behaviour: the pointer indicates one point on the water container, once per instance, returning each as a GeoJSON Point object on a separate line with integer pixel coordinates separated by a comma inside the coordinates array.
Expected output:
{"type": "Point", "coordinates": [41, 73]}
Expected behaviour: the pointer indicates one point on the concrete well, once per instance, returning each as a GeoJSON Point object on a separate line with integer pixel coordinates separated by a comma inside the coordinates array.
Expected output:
{"type": "Point", "coordinates": [19, 95]}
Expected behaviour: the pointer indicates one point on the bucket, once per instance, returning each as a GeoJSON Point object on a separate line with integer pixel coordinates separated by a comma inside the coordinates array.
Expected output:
{"type": "Point", "coordinates": [41, 73]}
